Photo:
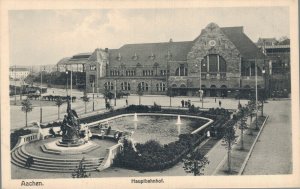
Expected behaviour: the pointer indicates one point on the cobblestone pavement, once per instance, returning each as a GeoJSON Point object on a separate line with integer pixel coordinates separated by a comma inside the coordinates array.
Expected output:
{"type": "Point", "coordinates": [50, 113]}
{"type": "Point", "coordinates": [272, 153]}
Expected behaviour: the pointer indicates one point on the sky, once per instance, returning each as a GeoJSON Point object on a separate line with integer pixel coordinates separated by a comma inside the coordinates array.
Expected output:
{"type": "Point", "coordinates": [43, 37]}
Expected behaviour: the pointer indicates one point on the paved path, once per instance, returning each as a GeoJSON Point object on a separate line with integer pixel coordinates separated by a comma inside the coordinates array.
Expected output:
{"type": "Point", "coordinates": [272, 153]}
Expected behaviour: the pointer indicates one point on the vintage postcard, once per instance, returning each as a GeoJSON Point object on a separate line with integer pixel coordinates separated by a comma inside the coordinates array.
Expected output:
{"type": "Point", "coordinates": [153, 94]}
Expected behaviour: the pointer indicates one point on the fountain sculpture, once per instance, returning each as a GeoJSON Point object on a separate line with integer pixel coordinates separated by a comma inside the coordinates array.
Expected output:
{"type": "Point", "coordinates": [178, 120]}
{"type": "Point", "coordinates": [135, 117]}
{"type": "Point", "coordinates": [71, 129]}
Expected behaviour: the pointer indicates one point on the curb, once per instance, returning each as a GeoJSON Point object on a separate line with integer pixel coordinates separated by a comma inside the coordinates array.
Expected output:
{"type": "Point", "coordinates": [252, 147]}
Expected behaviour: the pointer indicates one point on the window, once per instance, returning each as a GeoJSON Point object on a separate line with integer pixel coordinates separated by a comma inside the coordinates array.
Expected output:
{"type": "Point", "coordinates": [214, 64]}
{"type": "Point", "coordinates": [161, 86]}
{"type": "Point", "coordinates": [109, 86]}
{"type": "Point", "coordinates": [164, 72]}
{"type": "Point", "coordinates": [143, 86]}
{"type": "Point", "coordinates": [92, 78]}
{"type": "Point", "coordinates": [181, 70]}
{"type": "Point", "coordinates": [114, 72]}
{"type": "Point", "coordinates": [125, 86]}
{"type": "Point", "coordinates": [92, 67]}
{"type": "Point", "coordinates": [147, 72]}
{"type": "Point", "coordinates": [130, 72]}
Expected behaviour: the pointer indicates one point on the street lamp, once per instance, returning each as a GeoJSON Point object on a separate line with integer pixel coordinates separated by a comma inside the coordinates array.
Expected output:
{"type": "Point", "coordinates": [41, 108]}
{"type": "Point", "coordinates": [15, 85]}
{"type": "Point", "coordinates": [67, 72]}
{"type": "Point", "coordinates": [263, 96]}
{"type": "Point", "coordinates": [115, 93]}
{"type": "Point", "coordinates": [256, 95]}
{"type": "Point", "coordinates": [200, 81]}
{"type": "Point", "coordinates": [93, 95]}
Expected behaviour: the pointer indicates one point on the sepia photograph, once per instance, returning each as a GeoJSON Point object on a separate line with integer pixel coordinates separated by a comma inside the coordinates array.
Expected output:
{"type": "Point", "coordinates": [149, 95]}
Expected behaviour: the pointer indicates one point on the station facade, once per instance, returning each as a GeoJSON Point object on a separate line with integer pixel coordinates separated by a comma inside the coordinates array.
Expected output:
{"type": "Point", "coordinates": [221, 61]}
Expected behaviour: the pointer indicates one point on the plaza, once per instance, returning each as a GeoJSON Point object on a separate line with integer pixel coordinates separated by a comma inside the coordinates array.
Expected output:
{"type": "Point", "coordinates": [211, 103]}
{"type": "Point", "coordinates": [216, 152]}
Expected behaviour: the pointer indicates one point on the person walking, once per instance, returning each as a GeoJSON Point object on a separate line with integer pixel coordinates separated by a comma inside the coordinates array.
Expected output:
{"type": "Point", "coordinates": [220, 103]}
{"type": "Point", "coordinates": [126, 102]}
{"type": "Point", "coordinates": [182, 103]}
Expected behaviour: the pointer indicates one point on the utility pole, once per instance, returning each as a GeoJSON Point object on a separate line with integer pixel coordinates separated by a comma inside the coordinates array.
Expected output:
{"type": "Point", "coordinates": [94, 96]}
{"type": "Point", "coordinates": [41, 109]}
{"type": "Point", "coordinates": [115, 92]}
{"type": "Point", "coordinates": [15, 85]}
{"type": "Point", "coordinates": [256, 96]}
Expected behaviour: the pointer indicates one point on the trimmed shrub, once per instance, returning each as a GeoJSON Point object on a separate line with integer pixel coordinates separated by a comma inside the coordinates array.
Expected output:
{"type": "Point", "coordinates": [14, 137]}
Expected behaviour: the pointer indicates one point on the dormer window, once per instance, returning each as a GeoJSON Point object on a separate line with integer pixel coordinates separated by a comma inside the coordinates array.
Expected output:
{"type": "Point", "coordinates": [152, 56]}
{"type": "Point", "coordinates": [119, 57]}
{"type": "Point", "coordinates": [169, 56]}
{"type": "Point", "coordinates": [135, 57]}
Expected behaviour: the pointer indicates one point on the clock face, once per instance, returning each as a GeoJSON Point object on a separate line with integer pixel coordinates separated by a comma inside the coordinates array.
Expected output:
{"type": "Point", "coordinates": [212, 43]}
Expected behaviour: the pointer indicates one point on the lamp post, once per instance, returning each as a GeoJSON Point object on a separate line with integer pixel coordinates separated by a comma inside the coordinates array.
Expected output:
{"type": "Point", "coordinates": [41, 108]}
{"type": "Point", "coordinates": [94, 96]}
{"type": "Point", "coordinates": [263, 96]}
{"type": "Point", "coordinates": [200, 82]}
{"type": "Point", "coordinates": [15, 85]}
{"type": "Point", "coordinates": [67, 72]}
{"type": "Point", "coordinates": [115, 93]}
{"type": "Point", "coordinates": [256, 95]}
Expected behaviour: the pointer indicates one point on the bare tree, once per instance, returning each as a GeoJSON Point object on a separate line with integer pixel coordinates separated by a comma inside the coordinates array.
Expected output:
{"type": "Point", "coordinates": [229, 139]}
{"type": "Point", "coordinates": [80, 171]}
{"type": "Point", "coordinates": [85, 99]}
{"type": "Point", "coordinates": [26, 107]}
{"type": "Point", "coordinates": [58, 103]}
{"type": "Point", "coordinates": [140, 92]}
{"type": "Point", "coordinates": [195, 163]}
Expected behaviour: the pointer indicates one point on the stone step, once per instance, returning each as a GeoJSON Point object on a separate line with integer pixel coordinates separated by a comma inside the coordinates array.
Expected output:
{"type": "Point", "coordinates": [64, 162]}
{"type": "Point", "coordinates": [19, 157]}
{"type": "Point", "coordinates": [55, 159]}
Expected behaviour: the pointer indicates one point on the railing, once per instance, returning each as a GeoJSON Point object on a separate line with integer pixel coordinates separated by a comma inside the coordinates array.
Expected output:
{"type": "Point", "coordinates": [25, 139]}
{"type": "Point", "coordinates": [112, 152]}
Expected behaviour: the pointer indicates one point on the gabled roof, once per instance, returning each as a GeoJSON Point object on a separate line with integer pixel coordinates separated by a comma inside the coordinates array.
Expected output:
{"type": "Point", "coordinates": [242, 42]}
{"type": "Point", "coordinates": [149, 53]}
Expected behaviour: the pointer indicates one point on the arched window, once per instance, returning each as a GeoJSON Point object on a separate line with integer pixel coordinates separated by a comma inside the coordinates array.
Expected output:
{"type": "Point", "coordinates": [125, 86]}
{"type": "Point", "coordinates": [109, 86]}
{"type": "Point", "coordinates": [213, 64]}
{"type": "Point", "coordinates": [143, 86]}
{"type": "Point", "coordinates": [181, 70]}
{"type": "Point", "coordinates": [161, 86]}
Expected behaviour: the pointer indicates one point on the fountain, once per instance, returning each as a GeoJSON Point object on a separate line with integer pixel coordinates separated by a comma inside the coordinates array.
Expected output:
{"type": "Point", "coordinates": [179, 129]}
{"type": "Point", "coordinates": [178, 120]}
{"type": "Point", "coordinates": [71, 129]}
{"type": "Point", "coordinates": [135, 117]}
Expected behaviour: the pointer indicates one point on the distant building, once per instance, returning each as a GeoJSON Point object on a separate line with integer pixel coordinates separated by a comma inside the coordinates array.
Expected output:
{"type": "Point", "coordinates": [226, 55]}
{"type": "Point", "coordinates": [18, 73]}
{"type": "Point", "coordinates": [278, 54]}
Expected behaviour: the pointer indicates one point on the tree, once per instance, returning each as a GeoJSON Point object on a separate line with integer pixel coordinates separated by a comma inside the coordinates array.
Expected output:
{"type": "Point", "coordinates": [80, 172]}
{"type": "Point", "coordinates": [26, 107]}
{"type": "Point", "coordinates": [85, 99]}
{"type": "Point", "coordinates": [58, 103]}
{"type": "Point", "coordinates": [195, 163]}
{"type": "Point", "coordinates": [140, 92]}
{"type": "Point", "coordinates": [108, 95]}
{"type": "Point", "coordinates": [242, 126]}
{"type": "Point", "coordinates": [229, 139]}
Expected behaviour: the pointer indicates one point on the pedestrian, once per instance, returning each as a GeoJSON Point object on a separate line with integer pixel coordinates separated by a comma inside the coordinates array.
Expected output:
{"type": "Point", "coordinates": [126, 102]}
{"type": "Point", "coordinates": [215, 100]}
{"type": "Point", "coordinates": [182, 103]}
{"type": "Point", "coordinates": [29, 162]}
{"type": "Point", "coordinates": [220, 103]}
